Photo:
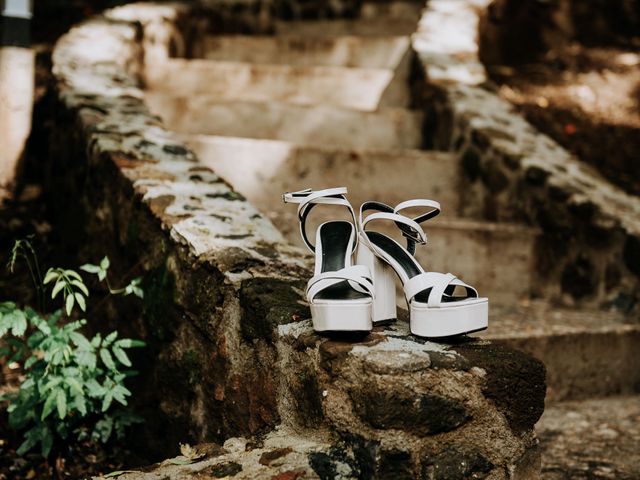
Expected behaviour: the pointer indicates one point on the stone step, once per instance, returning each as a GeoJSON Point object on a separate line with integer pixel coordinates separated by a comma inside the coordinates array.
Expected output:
{"type": "Point", "coordinates": [387, 128]}
{"type": "Point", "coordinates": [360, 88]}
{"type": "Point", "coordinates": [594, 438]}
{"type": "Point", "coordinates": [401, 389]}
{"type": "Point", "coordinates": [370, 27]}
{"type": "Point", "coordinates": [587, 352]}
{"type": "Point", "coordinates": [383, 406]}
{"type": "Point", "coordinates": [303, 50]}
{"type": "Point", "coordinates": [496, 258]}
{"type": "Point", "coordinates": [231, 350]}
{"type": "Point", "coordinates": [264, 169]}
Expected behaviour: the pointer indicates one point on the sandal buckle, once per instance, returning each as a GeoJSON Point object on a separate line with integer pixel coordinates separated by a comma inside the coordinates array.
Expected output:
{"type": "Point", "coordinates": [414, 238]}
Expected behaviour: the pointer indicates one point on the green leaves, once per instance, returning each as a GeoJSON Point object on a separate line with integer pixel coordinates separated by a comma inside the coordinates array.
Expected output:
{"type": "Point", "coordinates": [121, 356]}
{"type": "Point", "coordinates": [70, 283]}
{"type": "Point", "coordinates": [69, 301]}
{"type": "Point", "coordinates": [48, 405]}
{"type": "Point", "coordinates": [72, 383]}
{"type": "Point", "coordinates": [130, 343]}
{"type": "Point", "coordinates": [99, 270]}
{"type": "Point", "coordinates": [71, 378]}
{"type": "Point", "coordinates": [75, 385]}
{"type": "Point", "coordinates": [61, 403]}
{"type": "Point", "coordinates": [134, 288]}
{"type": "Point", "coordinates": [81, 301]}
{"type": "Point", "coordinates": [107, 359]}
{"type": "Point", "coordinates": [94, 389]}
{"type": "Point", "coordinates": [14, 321]}
{"type": "Point", "coordinates": [40, 433]}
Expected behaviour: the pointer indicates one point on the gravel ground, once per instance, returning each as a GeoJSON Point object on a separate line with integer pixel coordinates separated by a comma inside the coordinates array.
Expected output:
{"type": "Point", "coordinates": [591, 439]}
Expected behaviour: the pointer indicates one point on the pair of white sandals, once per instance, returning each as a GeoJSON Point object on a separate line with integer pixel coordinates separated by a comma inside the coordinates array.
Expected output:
{"type": "Point", "coordinates": [355, 297]}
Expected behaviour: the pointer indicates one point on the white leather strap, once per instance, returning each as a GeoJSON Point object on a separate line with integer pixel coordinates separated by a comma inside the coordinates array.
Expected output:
{"type": "Point", "coordinates": [439, 283]}
{"type": "Point", "coordinates": [409, 227]}
{"type": "Point", "coordinates": [358, 277]}
{"type": "Point", "coordinates": [432, 206]}
{"type": "Point", "coordinates": [307, 199]}
{"type": "Point", "coordinates": [419, 237]}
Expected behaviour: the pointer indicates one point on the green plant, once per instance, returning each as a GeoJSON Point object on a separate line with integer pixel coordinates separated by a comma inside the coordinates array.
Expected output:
{"type": "Point", "coordinates": [72, 384]}
{"type": "Point", "coordinates": [24, 249]}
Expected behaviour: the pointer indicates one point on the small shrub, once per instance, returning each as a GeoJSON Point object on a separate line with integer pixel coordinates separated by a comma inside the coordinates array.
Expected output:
{"type": "Point", "coordinates": [73, 386]}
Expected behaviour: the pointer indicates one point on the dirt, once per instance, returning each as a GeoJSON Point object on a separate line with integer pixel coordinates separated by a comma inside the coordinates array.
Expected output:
{"type": "Point", "coordinates": [587, 98]}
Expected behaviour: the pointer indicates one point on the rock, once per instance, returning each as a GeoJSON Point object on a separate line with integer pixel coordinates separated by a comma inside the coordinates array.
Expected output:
{"type": "Point", "coordinates": [395, 464]}
{"type": "Point", "coordinates": [421, 414]}
{"type": "Point", "coordinates": [334, 352]}
{"type": "Point", "coordinates": [514, 381]}
{"type": "Point", "coordinates": [269, 302]}
{"type": "Point", "coordinates": [454, 463]}
{"type": "Point", "coordinates": [224, 470]}
{"type": "Point", "coordinates": [268, 457]}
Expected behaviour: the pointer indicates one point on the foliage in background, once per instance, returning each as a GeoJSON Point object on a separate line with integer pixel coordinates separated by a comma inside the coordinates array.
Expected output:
{"type": "Point", "coordinates": [72, 384]}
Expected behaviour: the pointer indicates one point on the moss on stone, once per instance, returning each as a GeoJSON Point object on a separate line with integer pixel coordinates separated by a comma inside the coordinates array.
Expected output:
{"type": "Point", "coordinates": [267, 303]}
{"type": "Point", "coordinates": [421, 414]}
{"type": "Point", "coordinates": [159, 289]}
{"type": "Point", "coordinates": [191, 366]}
{"type": "Point", "coordinates": [515, 381]}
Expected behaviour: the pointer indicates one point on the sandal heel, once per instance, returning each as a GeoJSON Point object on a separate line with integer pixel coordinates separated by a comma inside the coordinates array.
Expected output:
{"type": "Point", "coordinates": [384, 302]}
{"type": "Point", "coordinates": [340, 294]}
{"type": "Point", "coordinates": [440, 304]}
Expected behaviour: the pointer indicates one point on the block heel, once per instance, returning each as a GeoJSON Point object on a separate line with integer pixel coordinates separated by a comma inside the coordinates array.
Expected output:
{"type": "Point", "coordinates": [340, 294]}
{"type": "Point", "coordinates": [440, 304]}
{"type": "Point", "coordinates": [383, 277]}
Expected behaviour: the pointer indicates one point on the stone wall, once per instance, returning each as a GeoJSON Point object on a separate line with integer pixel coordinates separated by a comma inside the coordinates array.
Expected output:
{"type": "Point", "coordinates": [589, 251]}
{"type": "Point", "coordinates": [231, 349]}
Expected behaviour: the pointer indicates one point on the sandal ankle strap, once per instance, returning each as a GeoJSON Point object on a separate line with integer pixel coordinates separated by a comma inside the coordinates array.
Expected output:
{"type": "Point", "coordinates": [308, 198]}
{"type": "Point", "coordinates": [409, 227]}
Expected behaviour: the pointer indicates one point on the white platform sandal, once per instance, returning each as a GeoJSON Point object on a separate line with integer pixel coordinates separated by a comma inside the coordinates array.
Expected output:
{"type": "Point", "coordinates": [340, 294]}
{"type": "Point", "coordinates": [440, 305]}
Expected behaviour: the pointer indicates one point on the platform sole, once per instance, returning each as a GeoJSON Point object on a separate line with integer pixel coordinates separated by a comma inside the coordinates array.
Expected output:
{"type": "Point", "coordinates": [342, 317]}
{"type": "Point", "coordinates": [449, 321]}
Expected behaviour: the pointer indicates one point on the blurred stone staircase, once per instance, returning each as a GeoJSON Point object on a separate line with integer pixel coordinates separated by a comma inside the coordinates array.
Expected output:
{"type": "Point", "coordinates": [317, 105]}
{"type": "Point", "coordinates": [302, 109]}
{"type": "Point", "coordinates": [324, 103]}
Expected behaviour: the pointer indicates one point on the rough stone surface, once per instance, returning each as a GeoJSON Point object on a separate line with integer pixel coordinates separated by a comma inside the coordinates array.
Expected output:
{"type": "Point", "coordinates": [454, 464]}
{"type": "Point", "coordinates": [426, 402]}
{"type": "Point", "coordinates": [406, 411]}
{"type": "Point", "coordinates": [514, 173]}
{"type": "Point", "coordinates": [605, 342]}
{"type": "Point", "coordinates": [231, 351]}
{"type": "Point", "coordinates": [596, 438]}
{"type": "Point", "coordinates": [512, 381]}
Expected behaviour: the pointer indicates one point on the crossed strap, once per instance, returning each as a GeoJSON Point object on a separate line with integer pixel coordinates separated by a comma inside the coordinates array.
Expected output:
{"type": "Point", "coordinates": [307, 199]}
{"type": "Point", "coordinates": [410, 227]}
{"type": "Point", "coordinates": [358, 277]}
{"type": "Point", "coordinates": [441, 285]}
